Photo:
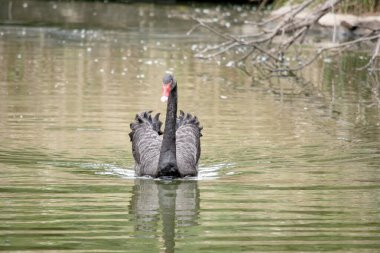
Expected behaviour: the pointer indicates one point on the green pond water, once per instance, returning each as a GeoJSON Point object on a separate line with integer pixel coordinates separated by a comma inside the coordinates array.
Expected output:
{"type": "Point", "coordinates": [280, 170]}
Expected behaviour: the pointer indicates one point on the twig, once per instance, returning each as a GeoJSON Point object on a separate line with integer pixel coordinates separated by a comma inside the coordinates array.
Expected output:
{"type": "Point", "coordinates": [206, 49]}
{"type": "Point", "coordinates": [192, 29]}
{"type": "Point", "coordinates": [262, 4]}
{"type": "Point", "coordinates": [222, 50]}
{"type": "Point", "coordinates": [270, 20]}
{"type": "Point", "coordinates": [231, 39]}
{"type": "Point", "coordinates": [323, 49]}
{"type": "Point", "coordinates": [210, 29]}
{"type": "Point", "coordinates": [289, 42]}
{"type": "Point", "coordinates": [246, 55]}
{"type": "Point", "coordinates": [260, 44]}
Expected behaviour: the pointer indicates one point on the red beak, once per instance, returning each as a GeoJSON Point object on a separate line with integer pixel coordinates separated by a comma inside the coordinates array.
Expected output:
{"type": "Point", "coordinates": [165, 91]}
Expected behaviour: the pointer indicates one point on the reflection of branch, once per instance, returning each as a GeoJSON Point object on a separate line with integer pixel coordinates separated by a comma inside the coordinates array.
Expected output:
{"type": "Point", "coordinates": [374, 79]}
{"type": "Point", "coordinates": [374, 55]}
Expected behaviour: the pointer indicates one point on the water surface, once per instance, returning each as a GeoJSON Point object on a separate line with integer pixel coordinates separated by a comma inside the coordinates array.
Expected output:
{"type": "Point", "coordinates": [280, 170]}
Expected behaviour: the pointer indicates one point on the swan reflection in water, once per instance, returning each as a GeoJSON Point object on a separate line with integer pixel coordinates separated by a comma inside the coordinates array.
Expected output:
{"type": "Point", "coordinates": [174, 203]}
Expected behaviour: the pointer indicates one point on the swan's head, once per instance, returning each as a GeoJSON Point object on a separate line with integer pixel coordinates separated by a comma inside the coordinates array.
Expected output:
{"type": "Point", "coordinates": [168, 83]}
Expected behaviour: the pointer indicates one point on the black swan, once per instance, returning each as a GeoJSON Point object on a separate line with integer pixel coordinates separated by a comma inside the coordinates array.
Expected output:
{"type": "Point", "coordinates": [176, 154]}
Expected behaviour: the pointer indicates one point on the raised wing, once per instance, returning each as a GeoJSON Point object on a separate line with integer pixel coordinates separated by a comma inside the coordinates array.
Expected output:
{"type": "Point", "coordinates": [188, 145]}
{"type": "Point", "coordinates": [146, 143]}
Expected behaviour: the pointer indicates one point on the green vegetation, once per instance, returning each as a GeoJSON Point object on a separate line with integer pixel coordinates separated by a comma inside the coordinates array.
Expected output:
{"type": "Point", "coordinates": [356, 7]}
{"type": "Point", "coordinates": [359, 7]}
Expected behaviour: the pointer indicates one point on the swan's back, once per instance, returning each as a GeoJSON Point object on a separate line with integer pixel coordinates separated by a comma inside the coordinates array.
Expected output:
{"type": "Point", "coordinates": [146, 143]}
{"type": "Point", "coordinates": [188, 145]}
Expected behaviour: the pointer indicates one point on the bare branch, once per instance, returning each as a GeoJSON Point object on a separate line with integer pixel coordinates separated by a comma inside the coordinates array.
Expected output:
{"type": "Point", "coordinates": [323, 49]}
{"type": "Point", "coordinates": [201, 23]}
{"type": "Point", "coordinates": [291, 40]}
{"type": "Point", "coordinates": [291, 27]}
{"type": "Point", "coordinates": [192, 29]}
{"type": "Point", "coordinates": [276, 17]}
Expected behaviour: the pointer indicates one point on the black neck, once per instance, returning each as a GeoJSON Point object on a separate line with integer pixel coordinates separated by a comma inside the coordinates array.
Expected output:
{"type": "Point", "coordinates": [167, 164]}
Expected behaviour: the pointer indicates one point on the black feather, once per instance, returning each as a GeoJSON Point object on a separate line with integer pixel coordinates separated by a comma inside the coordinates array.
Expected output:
{"type": "Point", "coordinates": [188, 119]}
{"type": "Point", "coordinates": [146, 118]}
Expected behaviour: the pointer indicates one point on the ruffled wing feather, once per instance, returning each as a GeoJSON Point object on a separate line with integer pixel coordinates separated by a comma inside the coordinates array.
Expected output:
{"type": "Point", "coordinates": [146, 143]}
{"type": "Point", "coordinates": [188, 145]}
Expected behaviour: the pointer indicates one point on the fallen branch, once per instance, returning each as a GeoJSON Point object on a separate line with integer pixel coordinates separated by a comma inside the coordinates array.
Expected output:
{"type": "Point", "coordinates": [262, 47]}
{"type": "Point", "coordinates": [328, 48]}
